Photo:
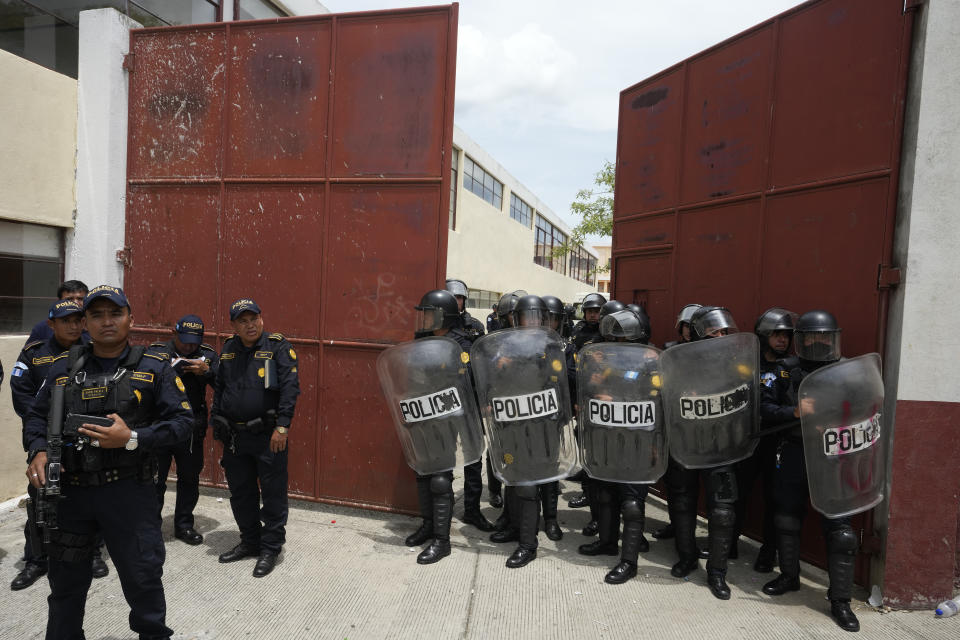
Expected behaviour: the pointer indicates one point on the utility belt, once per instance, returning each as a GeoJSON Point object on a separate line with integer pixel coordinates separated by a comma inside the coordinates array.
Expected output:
{"type": "Point", "coordinates": [92, 467]}
{"type": "Point", "coordinates": [226, 430]}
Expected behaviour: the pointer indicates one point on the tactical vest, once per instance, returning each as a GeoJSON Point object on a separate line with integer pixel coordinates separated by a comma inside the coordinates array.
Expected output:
{"type": "Point", "coordinates": [101, 394]}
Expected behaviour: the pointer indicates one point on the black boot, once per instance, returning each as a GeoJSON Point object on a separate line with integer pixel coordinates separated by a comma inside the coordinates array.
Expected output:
{"type": "Point", "coordinates": [844, 617]}
{"type": "Point", "coordinates": [720, 524]}
{"type": "Point", "coordinates": [478, 520]}
{"type": "Point", "coordinates": [664, 533]}
{"type": "Point", "coordinates": [591, 529]}
{"type": "Point", "coordinates": [717, 581]}
{"type": "Point", "coordinates": [632, 543]}
{"type": "Point", "coordinates": [684, 524]}
{"type": "Point", "coordinates": [788, 549]}
{"type": "Point", "coordinates": [608, 523]}
{"type": "Point", "coordinates": [507, 527]}
{"type": "Point", "coordinates": [549, 495]}
{"type": "Point", "coordinates": [425, 498]}
{"type": "Point", "coordinates": [529, 524]}
{"type": "Point", "coordinates": [765, 559]}
{"type": "Point", "coordinates": [442, 492]}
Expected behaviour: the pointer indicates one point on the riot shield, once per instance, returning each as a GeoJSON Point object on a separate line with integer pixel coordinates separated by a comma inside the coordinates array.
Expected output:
{"type": "Point", "coordinates": [843, 442]}
{"type": "Point", "coordinates": [429, 392]}
{"type": "Point", "coordinates": [711, 399]}
{"type": "Point", "coordinates": [622, 431]}
{"type": "Point", "coordinates": [521, 380]}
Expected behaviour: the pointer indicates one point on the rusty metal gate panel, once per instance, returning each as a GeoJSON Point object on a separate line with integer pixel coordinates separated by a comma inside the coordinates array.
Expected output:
{"type": "Point", "coordinates": [763, 172]}
{"type": "Point", "coordinates": [301, 162]}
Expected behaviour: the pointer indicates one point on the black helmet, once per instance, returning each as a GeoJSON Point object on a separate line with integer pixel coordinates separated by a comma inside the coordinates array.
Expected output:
{"type": "Point", "coordinates": [505, 306]}
{"type": "Point", "coordinates": [556, 315]}
{"type": "Point", "coordinates": [438, 309]}
{"type": "Point", "coordinates": [709, 322]}
{"type": "Point", "coordinates": [637, 309]}
{"type": "Point", "coordinates": [771, 321]}
{"type": "Point", "coordinates": [593, 301]}
{"type": "Point", "coordinates": [530, 311]}
{"type": "Point", "coordinates": [817, 337]}
{"type": "Point", "coordinates": [611, 307]}
{"type": "Point", "coordinates": [457, 287]}
{"type": "Point", "coordinates": [686, 314]}
{"type": "Point", "coordinates": [623, 324]}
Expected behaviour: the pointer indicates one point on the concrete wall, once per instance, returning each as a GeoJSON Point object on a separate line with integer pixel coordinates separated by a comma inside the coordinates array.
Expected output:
{"type": "Point", "coordinates": [922, 545]}
{"type": "Point", "coordinates": [490, 250]}
{"type": "Point", "coordinates": [38, 130]}
{"type": "Point", "coordinates": [12, 459]}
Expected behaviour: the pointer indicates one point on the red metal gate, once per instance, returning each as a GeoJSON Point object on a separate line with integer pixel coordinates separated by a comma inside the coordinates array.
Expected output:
{"type": "Point", "coordinates": [301, 162]}
{"type": "Point", "coordinates": [763, 172]}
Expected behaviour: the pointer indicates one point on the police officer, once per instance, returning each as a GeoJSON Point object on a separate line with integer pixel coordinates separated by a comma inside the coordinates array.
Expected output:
{"type": "Point", "coordinates": [467, 330]}
{"type": "Point", "coordinates": [588, 328]}
{"type": "Point", "coordinates": [65, 321]}
{"type": "Point", "coordinates": [774, 328]}
{"type": "Point", "coordinates": [684, 487]}
{"type": "Point", "coordinates": [817, 337]}
{"type": "Point", "coordinates": [492, 322]}
{"type": "Point", "coordinates": [556, 319]}
{"type": "Point", "coordinates": [254, 398]}
{"type": "Point", "coordinates": [68, 290]}
{"type": "Point", "coordinates": [615, 498]}
{"type": "Point", "coordinates": [196, 364]}
{"type": "Point", "coordinates": [107, 479]}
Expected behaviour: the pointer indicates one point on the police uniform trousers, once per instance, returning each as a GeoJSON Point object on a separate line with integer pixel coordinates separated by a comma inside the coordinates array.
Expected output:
{"type": "Point", "coordinates": [791, 494]}
{"type": "Point", "coordinates": [614, 498]}
{"type": "Point", "coordinates": [189, 458]}
{"type": "Point", "coordinates": [254, 472]}
{"type": "Point", "coordinates": [761, 465]}
{"type": "Point", "coordinates": [125, 513]}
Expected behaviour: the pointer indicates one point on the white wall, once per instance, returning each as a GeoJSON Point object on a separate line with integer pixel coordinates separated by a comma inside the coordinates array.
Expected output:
{"type": "Point", "coordinates": [13, 461]}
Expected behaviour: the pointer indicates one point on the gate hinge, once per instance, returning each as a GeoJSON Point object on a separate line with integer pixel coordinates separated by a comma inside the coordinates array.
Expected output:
{"type": "Point", "coordinates": [870, 543]}
{"type": "Point", "coordinates": [888, 276]}
{"type": "Point", "coordinates": [128, 62]}
{"type": "Point", "coordinates": [123, 256]}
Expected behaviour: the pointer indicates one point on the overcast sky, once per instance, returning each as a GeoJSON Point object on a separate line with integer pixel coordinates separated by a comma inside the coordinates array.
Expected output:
{"type": "Point", "coordinates": [538, 81]}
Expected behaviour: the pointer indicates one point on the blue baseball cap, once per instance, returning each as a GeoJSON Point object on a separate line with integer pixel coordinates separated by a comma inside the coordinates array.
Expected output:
{"type": "Point", "coordinates": [241, 305]}
{"type": "Point", "coordinates": [190, 329]}
{"type": "Point", "coordinates": [64, 308]}
{"type": "Point", "coordinates": [113, 294]}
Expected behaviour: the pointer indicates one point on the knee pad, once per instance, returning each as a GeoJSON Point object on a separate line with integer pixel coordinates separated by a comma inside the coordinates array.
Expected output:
{"type": "Point", "coordinates": [723, 515]}
{"type": "Point", "coordinates": [440, 484]}
{"type": "Point", "coordinates": [527, 492]}
{"type": "Point", "coordinates": [632, 510]}
{"type": "Point", "coordinates": [788, 522]}
{"type": "Point", "coordinates": [722, 485]}
{"type": "Point", "coordinates": [842, 540]}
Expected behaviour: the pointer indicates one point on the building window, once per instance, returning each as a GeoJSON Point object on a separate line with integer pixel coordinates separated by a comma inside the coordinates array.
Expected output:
{"type": "Point", "coordinates": [481, 299]}
{"type": "Point", "coordinates": [454, 157]}
{"type": "Point", "coordinates": [31, 269]}
{"type": "Point", "coordinates": [481, 183]}
{"type": "Point", "coordinates": [582, 265]}
{"type": "Point", "coordinates": [520, 210]}
{"type": "Point", "coordinates": [547, 239]}
{"type": "Point", "coordinates": [255, 10]}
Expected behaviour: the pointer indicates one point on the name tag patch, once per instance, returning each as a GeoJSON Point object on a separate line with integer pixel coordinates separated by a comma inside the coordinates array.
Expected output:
{"type": "Point", "coordinates": [432, 405]}
{"type": "Point", "coordinates": [525, 407]}
{"type": "Point", "coordinates": [853, 438]}
{"type": "Point", "coordinates": [715, 406]}
{"type": "Point", "coordinates": [636, 415]}
{"type": "Point", "coordinates": [263, 355]}
{"type": "Point", "coordinates": [43, 360]}
{"type": "Point", "coordinates": [228, 356]}
{"type": "Point", "coordinates": [93, 393]}
{"type": "Point", "coordinates": [143, 376]}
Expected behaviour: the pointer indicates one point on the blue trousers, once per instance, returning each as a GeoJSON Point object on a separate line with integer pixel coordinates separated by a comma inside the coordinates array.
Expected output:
{"type": "Point", "coordinates": [125, 513]}
{"type": "Point", "coordinates": [254, 472]}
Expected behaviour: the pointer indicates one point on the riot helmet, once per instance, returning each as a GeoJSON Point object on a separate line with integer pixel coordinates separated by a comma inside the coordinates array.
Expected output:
{"type": "Point", "coordinates": [438, 309]}
{"type": "Point", "coordinates": [505, 308]}
{"type": "Point", "coordinates": [611, 306]}
{"type": "Point", "coordinates": [636, 308]}
{"type": "Point", "coordinates": [817, 337]}
{"type": "Point", "coordinates": [770, 322]}
{"type": "Point", "coordinates": [457, 287]}
{"type": "Point", "coordinates": [556, 315]}
{"type": "Point", "coordinates": [711, 322]}
{"type": "Point", "coordinates": [686, 314]}
{"type": "Point", "coordinates": [530, 311]}
{"type": "Point", "coordinates": [593, 301]}
{"type": "Point", "coordinates": [624, 326]}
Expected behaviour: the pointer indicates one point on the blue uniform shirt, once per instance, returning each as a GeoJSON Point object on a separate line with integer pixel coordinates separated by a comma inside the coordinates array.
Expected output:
{"type": "Point", "coordinates": [239, 394]}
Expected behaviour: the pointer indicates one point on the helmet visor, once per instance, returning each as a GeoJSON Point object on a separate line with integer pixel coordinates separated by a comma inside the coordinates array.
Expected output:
{"type": "Point", "coordinates": [818, 346]}
{"type": "Point", "coordinates": [429, 318]}
{"type": "Point", "coordinates": [715, 323]}
{"type": "Point", "coordinates": [554, 320]}
{"type": "Point", "coordinates": [530, 318]}
{"type": "Point", "coordinates": [457, 288]}
{"type": "Point", "coordinates": [622, 324]}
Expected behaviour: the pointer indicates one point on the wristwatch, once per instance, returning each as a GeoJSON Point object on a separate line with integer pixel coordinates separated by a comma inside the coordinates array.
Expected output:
{"type": "Point", "coordinates": [282, 430]}
{"type": "Point", "coordinates": [132, 442]}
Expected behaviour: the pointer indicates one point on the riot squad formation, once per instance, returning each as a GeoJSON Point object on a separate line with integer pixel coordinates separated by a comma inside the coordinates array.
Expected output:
{"type": "Point", "coordinates": [532, 399]}
{"type": "Point", "coordinates": [597, 403]}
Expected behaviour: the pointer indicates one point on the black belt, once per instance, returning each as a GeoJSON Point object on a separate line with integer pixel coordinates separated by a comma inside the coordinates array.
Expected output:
{"type": "Point", "coordinates": [99, 478]}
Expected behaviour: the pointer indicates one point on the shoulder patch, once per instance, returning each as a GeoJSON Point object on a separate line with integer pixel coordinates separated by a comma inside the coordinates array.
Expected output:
{"type": "Point", "coordinates": [784, 373]}
{"type": "Point", "coordinates": [158, 344]}
{"type": "Point", "coordinates": [63, 355]}
{"type": "Point", "coordinates": [143, 376]}
{"type": "Point", "coordinates": [276, 336]}
{"type": "Point", "coordinates": [33, 345]}
{"type": "Point", "coordinates": [228, 356]}
{"type": "Point", "coordinates": [204, 345]}
{"type": "Point", "coordinates": [162, 358]}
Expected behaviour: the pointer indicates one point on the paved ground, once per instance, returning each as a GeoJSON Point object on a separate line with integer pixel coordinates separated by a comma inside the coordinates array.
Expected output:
{"type": "Point", "coordinates": [346, 574]}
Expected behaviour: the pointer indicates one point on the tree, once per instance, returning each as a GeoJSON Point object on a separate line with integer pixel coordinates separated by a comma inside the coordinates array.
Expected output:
{"type": "Point", "coordinates": [595, 208]}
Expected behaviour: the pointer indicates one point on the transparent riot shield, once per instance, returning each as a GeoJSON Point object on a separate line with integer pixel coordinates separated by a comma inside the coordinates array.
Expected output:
{"type": "Point", "coordinates": [844, 444]}
{"type": "Point", "coordinates": [622, 430]}
{"type": "Point", "coordinates": [428, 389]}
{"type": "Point", "coordinates": [521, 380]}
{"type": "Point", "coordinates": [711, 399]}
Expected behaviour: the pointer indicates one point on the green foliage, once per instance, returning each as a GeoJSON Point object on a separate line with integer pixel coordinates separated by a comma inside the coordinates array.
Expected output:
{"type": "Point", "coordinates": [594, 207]}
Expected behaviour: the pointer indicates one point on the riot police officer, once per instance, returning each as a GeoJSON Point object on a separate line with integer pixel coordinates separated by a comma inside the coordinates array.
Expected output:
{"type": "Point", "coordinates": [684, 486]}
{"type": "Point", "coordinates": [65, 321]}
{"type": "Point", "coordinates": [254, 398]}
{"type": "Point", "coordinates": [468, 324]}
{"type": "Point", "coordinates": [588, 328]}
{"type": "Point", "coordinates": [437, 315]}
{"type": "Point", "coordinates": [107, 479]}
{"type": "Point", "coordinates": [196, 364]}
{"type": "Point", "coordinates": [817, 338]}
{"type": "Point", "coordinates": [774, 328]}
{"type": "Point", "coordinates": [556, 319]}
